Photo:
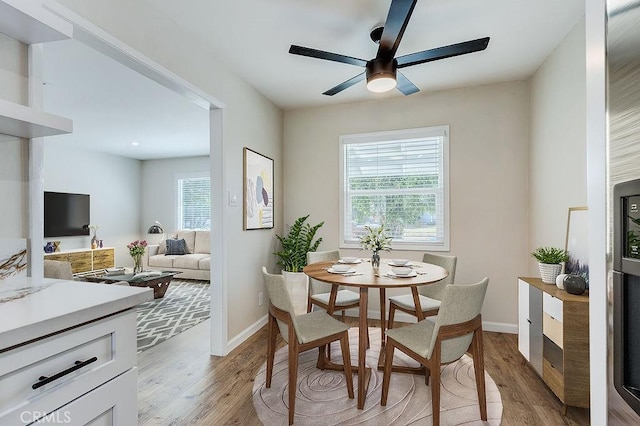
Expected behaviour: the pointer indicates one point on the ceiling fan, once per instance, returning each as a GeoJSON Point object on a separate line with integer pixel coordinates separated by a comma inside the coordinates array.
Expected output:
{"type": "Point", "coordinates": [382, 72]}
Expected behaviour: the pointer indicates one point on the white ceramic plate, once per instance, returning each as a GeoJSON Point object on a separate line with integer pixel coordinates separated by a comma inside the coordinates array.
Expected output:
{"type": "Point", "coordinates": [410, 275]}
{"type": "Point", "coordinates": [392, 263]}
{"type": "Point", "coordinates": [350, 260]}
{"type": "Point", "coordinates": [350, 271]}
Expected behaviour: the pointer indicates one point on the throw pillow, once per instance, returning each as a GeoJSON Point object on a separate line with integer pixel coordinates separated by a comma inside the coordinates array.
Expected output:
{"type": "Point", "coordinates": [176, 247]}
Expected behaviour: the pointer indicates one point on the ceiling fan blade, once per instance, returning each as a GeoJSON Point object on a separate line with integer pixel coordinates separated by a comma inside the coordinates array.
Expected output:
{"type": "Point", "coordinates": [443, 52]}
{"type": "Point", "coordinates": [321, 54]}
{"type": "Point", "coordinates": [345, 85]}
{"type": "Point", "coordinates": [405, 85]}
{"type": "Point", "coordinates": [397, 20]}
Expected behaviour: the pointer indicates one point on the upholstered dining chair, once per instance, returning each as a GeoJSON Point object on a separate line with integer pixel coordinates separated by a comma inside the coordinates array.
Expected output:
{"type": "Point", "coordinates": [430, 295]}
{"type": "Point", "coordinates": [456, 330]}
{"type": "Point", "coordinates": [302, 332]}
{"type": "Point", "coordinates": [320, 292]}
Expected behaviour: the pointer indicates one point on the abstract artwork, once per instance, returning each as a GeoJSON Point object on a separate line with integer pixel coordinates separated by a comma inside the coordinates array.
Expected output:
{"type": "Point", "coordinates": [13, 257]}
{"type": "Point", "coordinates": [577, 243]}
{"type": "Point", "coordinates": [258, 191]}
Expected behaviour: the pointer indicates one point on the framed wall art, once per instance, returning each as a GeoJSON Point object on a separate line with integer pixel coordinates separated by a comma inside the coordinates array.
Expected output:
{"type": "Point", "coordinates": [577, 242]}
{"type": "Point", "coordinates": [13, 257]}
{"type": "Point", "coordinates": [258, 190]}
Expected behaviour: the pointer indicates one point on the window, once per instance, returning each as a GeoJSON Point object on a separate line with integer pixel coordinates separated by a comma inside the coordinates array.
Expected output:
{"type": "Point", "coordinates": [399, 179]}
{"type": "Point", "coordinates": [194, 202]}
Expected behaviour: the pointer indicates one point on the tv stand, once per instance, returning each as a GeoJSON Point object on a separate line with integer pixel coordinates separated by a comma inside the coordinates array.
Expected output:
{"type": "Point", "coordinates": [85, 260]}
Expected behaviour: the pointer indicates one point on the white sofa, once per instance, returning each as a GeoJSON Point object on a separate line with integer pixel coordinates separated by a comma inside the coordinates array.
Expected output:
{"type": "Point", "coordinates": [195, 264]}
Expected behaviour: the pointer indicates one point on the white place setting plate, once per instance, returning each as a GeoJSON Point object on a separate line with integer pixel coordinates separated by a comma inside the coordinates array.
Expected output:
{"type": "Point", "coordinates": [409, 275]}
{"type": "Point", "coordinates": [350, 260]}
{"type": "Point", "coordinates": [392, 263]}
{"type": "Point", "coordinates": [349, 271]}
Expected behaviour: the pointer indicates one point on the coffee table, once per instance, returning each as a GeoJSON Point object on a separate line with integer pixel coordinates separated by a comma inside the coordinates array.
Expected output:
{"type": "Point", "coordinates": [159, 282]}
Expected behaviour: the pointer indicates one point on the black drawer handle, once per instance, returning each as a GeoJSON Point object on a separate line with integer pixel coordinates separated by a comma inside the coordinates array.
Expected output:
{"type": "Point", "coordinates": [43, 380]}
{"type": "Point", "coordinates": [529, 321]}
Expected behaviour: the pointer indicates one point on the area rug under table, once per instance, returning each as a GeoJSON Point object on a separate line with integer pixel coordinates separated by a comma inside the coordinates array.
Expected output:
{"type": "Point", "coordinates": [321, 396]}
{"type": "Point", "coordinates": [185, 304]}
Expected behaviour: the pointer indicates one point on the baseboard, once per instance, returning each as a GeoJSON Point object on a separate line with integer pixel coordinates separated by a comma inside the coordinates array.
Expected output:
{"type": "Point", "coordinates": [246, 333]}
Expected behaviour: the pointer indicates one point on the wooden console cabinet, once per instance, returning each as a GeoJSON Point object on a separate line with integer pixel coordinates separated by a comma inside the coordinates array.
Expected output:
{"type": "Point", "coordinates": [553, 336]}
{"type": "Point", "coordinates": [86, 260]}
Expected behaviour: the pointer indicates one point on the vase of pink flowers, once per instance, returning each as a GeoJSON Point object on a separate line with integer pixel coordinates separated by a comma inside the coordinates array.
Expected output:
{"type": "Point", "coordinates": [136, 250]}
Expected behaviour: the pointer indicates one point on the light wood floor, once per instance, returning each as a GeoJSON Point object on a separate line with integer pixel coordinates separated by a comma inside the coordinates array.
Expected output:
{"type": "Point", "coordinates": [179, 383]}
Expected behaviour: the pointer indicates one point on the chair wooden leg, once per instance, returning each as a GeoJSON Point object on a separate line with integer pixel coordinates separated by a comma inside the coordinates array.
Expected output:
{"type": "Point", "coordinates": [342, 316]}
{"type": "Point", "coordinates": [346, 362]}
{"type": "Point", "coordinates": [388, 365]}
{"type": "Point", "coordinates": [309, 305]}
{"type": "Point", "coordinates": [322, 354]}
{"type": "Point", "coordinates": [392, 312]}
{"type": "Point", "coordinates": [435, 383]}
{"type": "Point", "coordinates": [293, 379]}
{"type": "Point", "coordinates": [271, 348]}
{"type": "Point", "coordinates": [478, 366]}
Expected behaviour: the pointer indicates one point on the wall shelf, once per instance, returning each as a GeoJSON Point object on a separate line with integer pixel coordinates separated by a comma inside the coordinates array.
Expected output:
{"type": "Point", "coordinates": [29, 22]}
{"type": "Point", "coordinates": [25, 122]}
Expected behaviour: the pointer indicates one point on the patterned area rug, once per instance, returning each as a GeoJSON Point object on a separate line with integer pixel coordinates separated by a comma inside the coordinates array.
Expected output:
{"type": "Point", "coordinates": [185, 304]}
{"type": "Point", "coordinates": [321, 396]}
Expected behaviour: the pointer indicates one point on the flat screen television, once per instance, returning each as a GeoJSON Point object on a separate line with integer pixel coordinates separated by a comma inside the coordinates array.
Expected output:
{"type": "Point", "coordinates": [65, 214]}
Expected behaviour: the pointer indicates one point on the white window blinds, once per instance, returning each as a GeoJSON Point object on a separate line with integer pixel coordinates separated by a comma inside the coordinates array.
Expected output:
{"type": "Point", "coordinates": [399, 180]}
{"type": "Point", "coordinates": [194, 203]}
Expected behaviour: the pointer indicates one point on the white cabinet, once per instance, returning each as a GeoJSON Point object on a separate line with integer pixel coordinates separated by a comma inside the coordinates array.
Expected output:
{"type": "Point", "coordinates": [92, 365]}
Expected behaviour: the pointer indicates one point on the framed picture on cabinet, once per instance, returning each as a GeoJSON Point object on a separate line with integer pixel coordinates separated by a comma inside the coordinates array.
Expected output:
{"type": "Point", "coordinates": [577, 242]}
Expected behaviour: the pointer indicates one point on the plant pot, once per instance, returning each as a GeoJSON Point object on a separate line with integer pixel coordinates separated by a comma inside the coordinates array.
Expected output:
{"type": "Point", "coordinates": [549, 272]}
{"type": "Point", "coordinates": [297, 284]}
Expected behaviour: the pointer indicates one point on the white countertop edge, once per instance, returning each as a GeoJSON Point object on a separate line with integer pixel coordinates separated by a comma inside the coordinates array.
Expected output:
{"type": "Point", "coordinates": [83, 309]}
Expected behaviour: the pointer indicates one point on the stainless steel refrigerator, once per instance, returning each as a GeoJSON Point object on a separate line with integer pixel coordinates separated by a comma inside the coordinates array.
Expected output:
{"type": "Point", "coordinates": [623, 108]}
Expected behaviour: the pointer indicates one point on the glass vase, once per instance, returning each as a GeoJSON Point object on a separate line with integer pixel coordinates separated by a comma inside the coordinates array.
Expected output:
{"type": "Point", "coordinates": [137, 264]}
{"type": "Point", "coordinates": [375, 259]}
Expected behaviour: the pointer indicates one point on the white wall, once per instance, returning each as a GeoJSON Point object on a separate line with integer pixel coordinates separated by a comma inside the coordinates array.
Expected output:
{"type": "Point", "coordinates": [558, 160]}
{"type": "Point", "coordinates": [159, 191]}
{"type": "Point", "coordinates": [249, 119]}
{"type": "Point", "coordinates": [488, 173]}
{"type": "Point", "coordinates": [115, 186]}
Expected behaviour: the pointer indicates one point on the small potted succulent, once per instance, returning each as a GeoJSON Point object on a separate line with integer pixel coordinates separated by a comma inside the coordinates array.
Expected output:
{"type": "Point", "coordinates": [550, 262]}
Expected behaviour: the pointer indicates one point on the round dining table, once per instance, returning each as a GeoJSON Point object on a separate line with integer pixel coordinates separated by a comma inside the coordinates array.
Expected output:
{"type": "Point", "coordinates": [364, 276]}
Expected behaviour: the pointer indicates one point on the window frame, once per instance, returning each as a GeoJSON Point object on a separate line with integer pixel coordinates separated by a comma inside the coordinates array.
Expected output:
{"type": "Point", "coordinates": [178, 195]}
{"type": "Point", "coordinates": [393, 135]}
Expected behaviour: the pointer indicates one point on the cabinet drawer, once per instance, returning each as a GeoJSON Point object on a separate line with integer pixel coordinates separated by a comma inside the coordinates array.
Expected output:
{"type": "Point", "coordinates": [554, 379]}
{"type": "Point", "coordinates": [80, 261]}
{"type": "Point", "coordinates": [552, 328]}
{"type": "Point", "coordinates": [61, 257]}
{"type": "Point", "coordinates": [103, 259]}
{"type": "Point", "coordinates": [552, 306]}
{"type": "Point", "coordinates": [111, 341]}
{"type": "Point", "coordinates": [112, 404]}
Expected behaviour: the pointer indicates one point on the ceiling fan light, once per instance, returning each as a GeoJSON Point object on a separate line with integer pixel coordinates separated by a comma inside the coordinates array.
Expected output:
{"type": "Point", "coordinates": [381, 83]}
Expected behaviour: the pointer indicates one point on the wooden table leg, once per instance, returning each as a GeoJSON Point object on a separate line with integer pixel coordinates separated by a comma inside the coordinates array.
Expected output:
{"type": "Point", "coordinates": [383, 314]}
{"type": "Point", "coordinates": [365, 373]}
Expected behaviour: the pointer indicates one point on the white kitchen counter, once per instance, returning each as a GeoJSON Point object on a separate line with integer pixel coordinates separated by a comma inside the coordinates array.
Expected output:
{"type": "Point", "coordinates": [31, 309]}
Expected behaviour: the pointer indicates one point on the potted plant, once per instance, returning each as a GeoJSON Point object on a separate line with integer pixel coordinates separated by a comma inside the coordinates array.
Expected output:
{"type": "Point", "coordinates": [550, 260]}
{"type": "Point", "coordinates": [292, 257]}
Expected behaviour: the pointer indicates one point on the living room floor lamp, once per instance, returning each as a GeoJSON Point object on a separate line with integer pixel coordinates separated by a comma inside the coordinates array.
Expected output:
{"type": "Point", "coordinates": [156, 228]}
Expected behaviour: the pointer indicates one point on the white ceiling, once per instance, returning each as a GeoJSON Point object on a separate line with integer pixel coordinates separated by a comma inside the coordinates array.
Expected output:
{"type": "Point", "coordinates": [116, 110]}
{"type": "Point", "coordinates": [112, 107]}
{"type": "Point", "coordinates": [253, 37]}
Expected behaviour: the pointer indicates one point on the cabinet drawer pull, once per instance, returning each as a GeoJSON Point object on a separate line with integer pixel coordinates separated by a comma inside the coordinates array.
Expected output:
{"type": "Point", "coordinates": [528, 320]}
{"type": "Point", "coordinates": [43, 380]}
